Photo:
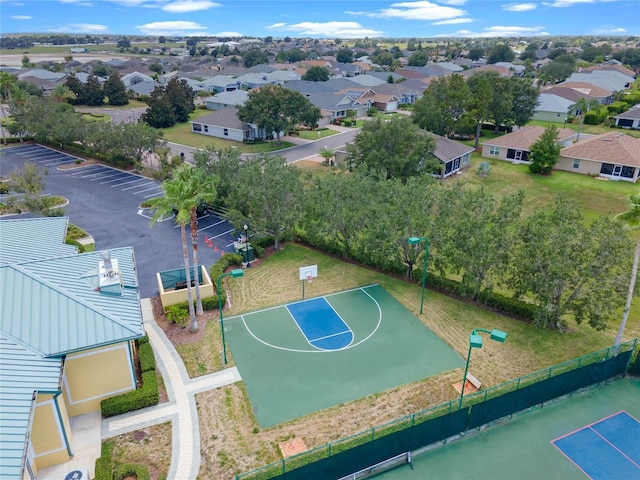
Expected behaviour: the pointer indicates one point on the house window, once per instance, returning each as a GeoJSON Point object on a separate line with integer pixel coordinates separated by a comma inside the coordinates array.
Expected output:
{"type": "Point", "coordinates": [628, 172]}
{"type": "Point", "coordinates": [206, 128]}
{"type": "Point", "coordinates": [226, 132]}
{"type": "Point", "coordinates": [494, 151]}
{"type": "Point", "coordinates": [576, 163]}
{"type": "Point", "coordinates": [464, 160]}
{"type": "Point", "coordinates": [606, 169]}
{"type": "Point", "coordinates": [197, 127]}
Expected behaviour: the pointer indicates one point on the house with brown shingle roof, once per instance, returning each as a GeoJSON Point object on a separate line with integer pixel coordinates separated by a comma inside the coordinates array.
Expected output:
{"type": "Point", "coordinates": [589, 89]}
{"type": "Point", "coordinates": [515, 146]}
{"type": "Point", "coordinates": [615, 156]}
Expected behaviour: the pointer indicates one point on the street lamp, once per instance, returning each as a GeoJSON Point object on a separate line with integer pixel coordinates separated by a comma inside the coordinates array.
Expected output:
{"type": "Point", "coordinates": [234, 274]}
{"type": "Point", "coordinates": [475, 341]}
{"type": "Point", "coordinates": [416, 241]}
{"type": "Point", "coordinates": [246, 244]}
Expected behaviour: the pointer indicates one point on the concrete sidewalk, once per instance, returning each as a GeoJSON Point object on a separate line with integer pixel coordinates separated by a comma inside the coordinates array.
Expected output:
{"type": "Point", "coordinates": [181, 409]}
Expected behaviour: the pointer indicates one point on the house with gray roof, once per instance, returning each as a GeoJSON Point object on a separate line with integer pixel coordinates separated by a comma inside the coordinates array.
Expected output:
{"type": "Point", "coordinates": [552, 108]}
{"type": "Point", "coordinates": [611, 80]}
{"type": "Point", "coordinates": [307, 88]}
{"type": "Point", "coordinates": [334, 106]}
{"type": "Point", "coordinates": [629, 119]}
{"type": "Point", "coordinates": [453, 156]}
{"type": "Point", "coordinates": [225, 124]}
{"type": "Point", "coordinates": [367, 80]}
{"type": "Point", "coordinates": [236, 98]}
{"type": "Point", "coordinates": [68, 329]}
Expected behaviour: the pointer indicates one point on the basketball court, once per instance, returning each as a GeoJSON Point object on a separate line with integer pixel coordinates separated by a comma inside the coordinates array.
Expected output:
{"type": "Point", "coordinates": [306, 356]}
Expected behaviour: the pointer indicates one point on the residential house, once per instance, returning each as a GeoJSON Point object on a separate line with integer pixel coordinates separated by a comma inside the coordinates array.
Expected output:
{"type": "Point", "coordinates": [225, 124]}
{"type": "Point", "coordinates": [515, 146]}
{"type": "Point", "coordinates": [334, 106]}
{"type": "Point", "coordinates": [629, 119]}
{"type": "Point", "coordinates": [222, 100]}
{"type": "Point", "coordinates": [552, 108]}
{"type": "Point", "coordinates": [615, 156]}
{"type": "Point", "coordinates": [589, 90]}
{"type": "Point", "coordinates": [68, 325]}
{"type": "Point", "coordinates": [307, 88]}
{"type": "Point", "coordinates": [132, 78]}
{"type": "Point", "coordinates": [611, 80]}
{"type": "Point", "coordinates": [453, 156]}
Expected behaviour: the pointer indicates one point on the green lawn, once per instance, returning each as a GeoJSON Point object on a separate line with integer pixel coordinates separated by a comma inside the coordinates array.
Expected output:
{"type": "Point", "coordinates": [597, 196]}
{"type": "Point", "coordinates": [316, 134]}
{"type": "Point", "coordinates": [181, 134]}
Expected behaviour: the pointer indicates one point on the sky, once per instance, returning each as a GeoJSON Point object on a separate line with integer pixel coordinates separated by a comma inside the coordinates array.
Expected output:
{"type": "Point", "coordinates": [323, 19]}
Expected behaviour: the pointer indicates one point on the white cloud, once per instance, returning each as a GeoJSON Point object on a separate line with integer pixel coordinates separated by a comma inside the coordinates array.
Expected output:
{"type": "Point", "coordinates": [518, 7]}
{"type": "Point", "coordinates": [174, 28]}
{"type": "Point", "coordinates": [499, 31]}
{"type": "Point", "coordinates": [610, 31]}
{"type": "Point", "coordinates": [328, 29]}
{"type": "Point", "coordinates": [453, 2]}
{"type": "Point", "coordinates": [421, 10]}
{"type": "Point", "coordinates": [228, 34]}
{"type": "Point", "coordinates": [21, 17]}
{"type": "Point", "coordinates": [454, 21]}
{"type": "Point", "coordinates": [276, 25]}
{"type": "Point", "coordinates": [78, 3]}
{"type": "Point", "coordinates": [184, 6]}
{"type": "Point", "coordinates": [81, 28]}
{"type": "Point", "coordinates": [566, 3]}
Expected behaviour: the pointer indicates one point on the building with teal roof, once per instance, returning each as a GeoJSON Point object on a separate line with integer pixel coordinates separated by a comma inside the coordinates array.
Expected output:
{"type": "Point", "coordinates": [68, 325]}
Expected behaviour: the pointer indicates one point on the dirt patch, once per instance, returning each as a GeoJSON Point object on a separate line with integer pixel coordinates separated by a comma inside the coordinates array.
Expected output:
{"type": "Point", "coordinates": [150, 446]}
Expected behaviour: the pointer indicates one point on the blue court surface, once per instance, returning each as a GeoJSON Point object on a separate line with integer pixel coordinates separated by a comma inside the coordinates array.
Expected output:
{"type": "Point", "coordinates": [320, 324]}
{"type": "Point", "coordinates": [607, 449]}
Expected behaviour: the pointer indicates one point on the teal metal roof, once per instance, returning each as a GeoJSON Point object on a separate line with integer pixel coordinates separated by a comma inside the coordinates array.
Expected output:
{"type": "Point", "coordinates": [32, 238]}
{"type": "Point", "coordinates": [50, 305]}
{"type": "Point", "coordinates": [22, 373]}
{"type": "Point", "coordinates": [54, 307]}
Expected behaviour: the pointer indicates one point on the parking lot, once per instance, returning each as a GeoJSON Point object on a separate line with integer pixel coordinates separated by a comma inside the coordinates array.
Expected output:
{"type": "Point", "coordinates": [106, 202]}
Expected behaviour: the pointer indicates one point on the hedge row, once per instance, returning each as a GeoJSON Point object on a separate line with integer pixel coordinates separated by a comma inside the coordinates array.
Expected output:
{"type": "Point", "coordinates": [128, 470]}
{"type": "Point", "coordinates": [225, 261]}
{"type": "Point", "coordinates": [144, 396]}
{"type": "Point", "coordinates": [179, 312]}
{"type": "Point", "coordinates": [104, 463]}
{"type": "Point", "coordinates": [147, 360]}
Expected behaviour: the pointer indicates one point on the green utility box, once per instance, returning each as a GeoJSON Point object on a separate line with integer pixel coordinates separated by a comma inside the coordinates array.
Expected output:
{"type": "Point", "coordinates": [246, 250]}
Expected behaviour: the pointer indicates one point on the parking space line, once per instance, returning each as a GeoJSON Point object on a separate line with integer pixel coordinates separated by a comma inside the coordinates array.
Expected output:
{"type": "Point", "coordinates": [108, 175]}
{"type": "Point", "coordinates": [159, 194]}
{"type": "Point", "coordinates": [116, 179]}
{"type": "Point", "coordinates": [101, 171]}
{"type": "Point", "coordinates": [135, 186]}
{"type": "Point", "coordinates": [155, 187]}
{"type": "Point", "coordinates": [125, 183]}
{"type": "Point", "coordinates": [212, 225]}
{"type": "Point", "coordinates": [88, 168]}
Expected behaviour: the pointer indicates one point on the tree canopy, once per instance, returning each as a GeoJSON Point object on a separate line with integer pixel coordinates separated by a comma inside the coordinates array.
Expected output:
{"type": "Point", "coordinates": [316, 74]}
{"type": "Point", "coordinates": [277, 109]}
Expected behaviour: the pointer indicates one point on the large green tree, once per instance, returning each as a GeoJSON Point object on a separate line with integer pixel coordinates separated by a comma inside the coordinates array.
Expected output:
{"type": "Point", "coordinates": [392, 149]}
{"type": "Point", "coordinates": [316, 74]}
{"type": "Point", "coordinates": [115, 91]}
{"type": "Point", "coordinates": [572, 269]}
{"type": "Point", "coordinates": [545, 152]}
{"type": "Point", "coordinates": [443, 106]}
{"type": "Point", "coordinates": [267, 196]}
{"type": "Point", "coordinates": [254, 56]}
{"type": "Point", "coordinates": [93, 92]}
{"type": "Point", "coordinates": [479, 106]}
{"type": "Point", "coordinates": [500, 53]}
{"type": "Point", "coordinates": [277, 109]}
{"type": "Point", "coordinates": [344, 55]}
{"type": "Point", "coordinates": [631, 219]}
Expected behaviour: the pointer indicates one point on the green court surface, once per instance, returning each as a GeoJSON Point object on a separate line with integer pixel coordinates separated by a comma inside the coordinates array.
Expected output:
{"type": "Point", "coordinates": [287, 377]}
{"type": "Point", "coordinates": [521, 448]}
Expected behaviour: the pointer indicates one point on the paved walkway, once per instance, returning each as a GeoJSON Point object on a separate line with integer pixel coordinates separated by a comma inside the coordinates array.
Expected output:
{"type": "Point", "coordinates": [181, 409]}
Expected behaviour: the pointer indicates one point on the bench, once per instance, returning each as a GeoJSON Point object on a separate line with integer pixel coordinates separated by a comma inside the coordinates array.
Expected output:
{"type": "Point", "coordinates": [474, 381]}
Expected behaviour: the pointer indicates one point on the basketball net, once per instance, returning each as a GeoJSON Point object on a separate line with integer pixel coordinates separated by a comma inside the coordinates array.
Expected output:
{"type": "Point", "coordinates": [309, 279]}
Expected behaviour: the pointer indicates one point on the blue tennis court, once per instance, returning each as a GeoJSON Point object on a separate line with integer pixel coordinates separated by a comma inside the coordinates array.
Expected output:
{"type": "Point", "coordinates": [320, 324]}
{"type": "Point", "coordinates": [606, 449]}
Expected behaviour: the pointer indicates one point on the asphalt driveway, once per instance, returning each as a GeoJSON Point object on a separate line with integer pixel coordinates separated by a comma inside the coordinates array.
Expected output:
{"type": "Point", "coordinates": [106, 203]}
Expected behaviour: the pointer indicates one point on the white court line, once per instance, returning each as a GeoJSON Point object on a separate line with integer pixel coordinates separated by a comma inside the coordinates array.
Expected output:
{"type": "Point", "coordinates": [332, 335]}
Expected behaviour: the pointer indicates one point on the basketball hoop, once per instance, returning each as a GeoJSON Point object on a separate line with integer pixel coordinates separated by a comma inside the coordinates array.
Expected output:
{"type": "Point", "coordinates": [309, 279]}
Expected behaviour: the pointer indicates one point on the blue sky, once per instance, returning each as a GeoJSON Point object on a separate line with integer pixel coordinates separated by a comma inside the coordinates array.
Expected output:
{"type": "Point", "coordinates": [323, 19]}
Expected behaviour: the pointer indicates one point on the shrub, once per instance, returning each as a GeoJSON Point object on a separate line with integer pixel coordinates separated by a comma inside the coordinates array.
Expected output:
{"type": "Point", "coordinates": [594, 117]}
{"type": "Point", "coordinates": [178, 313]}
{"type": "Point", "coordinates": [144, 396]}
{"type": "Point", "coordinates": [127, 470]}
{"type": "Point", "coordinates": [617, 107]}
{"type": "Point", "coordinates": [225, 261]}
{"type": "Point", "coordinates": [104, 464]}
{"type": "Point", "coordinates": [510, 305]}
{"type": "Point", "coordinates": [147, 359]}
{"type": "Point", "coordinates": [211, 303]}
{"type": "Point", "coordinates": [535, 168]}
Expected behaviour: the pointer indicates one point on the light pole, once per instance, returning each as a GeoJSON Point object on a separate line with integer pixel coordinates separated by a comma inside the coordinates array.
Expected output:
{"type": "Point", "coordinates": [235, 274]}
{"type": "Point", "coordinates": [475, 341]}
{"type": "Point", "coordinates": [246, 244]}
{"type": "Point", "coordinates": [416, 241]}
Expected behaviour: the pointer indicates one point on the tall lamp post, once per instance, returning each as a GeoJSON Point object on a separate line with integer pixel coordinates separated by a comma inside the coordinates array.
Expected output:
{"type": "Point", "coordinates": [235, 274]}
{"type": "Point", "coordinates": [246, 244]}
{"type": "Point", "coordinates": [475, 341]}
{"type": "Point", "coordinates": [416, 241]}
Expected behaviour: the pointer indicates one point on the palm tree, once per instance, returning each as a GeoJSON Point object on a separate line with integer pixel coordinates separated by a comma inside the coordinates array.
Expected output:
{"type": "Point", "coordinates": [62, 94]}
{"type": "Point", "coordinates": [581, 107]}
{"type": "Point", "coordinates": [632, 219]}
{"type": "Point", "coordinates": [198, 189]}
{"type": "Point", "coordinates": [164, 207]}
{"type": "Point", "coordinates": [8, 84]}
